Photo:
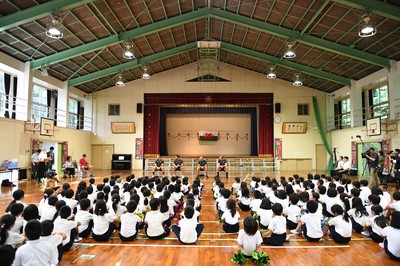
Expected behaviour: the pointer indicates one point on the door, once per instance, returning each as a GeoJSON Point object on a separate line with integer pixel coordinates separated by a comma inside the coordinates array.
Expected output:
{"type": "Point", "coordinates": [102, 156]}
{"type": "Point", "coordinates": [320, 155]}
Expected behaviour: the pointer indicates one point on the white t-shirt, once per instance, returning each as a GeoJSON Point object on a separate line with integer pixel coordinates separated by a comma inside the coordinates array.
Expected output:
{"type": "Point", "coordinates": [65, 226]}
{"type": "Point", "coordinates": [292, 212]}
{"type": "Point", "coordinates": [248, 242]}
{"type": "Point", "coordinates": [222, 204]}
{"type": "Point", "coordinates": [14, 239]}
{"type": "Point", "coordinates": [120, 210]}
{"type": "Point", "coordinates": [278, 225]}
{"type": "Point", "coordinates": [395, 205]}
{"type": "Point", "coordinates": [188, 232]}
{"type": "Point", "coordinates": [54, 240]}
{"type": "Point", "coordinates": [154, 220]}
{"type": "Point", "coordinates": [393, 238]}
{"type": "Point", "coordinates": [48, 212]}
{"type": "Point", "coordinates": [128, 224]}
{"type": "Point", "coordinates": [19, 222]}
{"type": "Point", "coordinates": [101, 223]}
{"type": "Point", "coordinates": [84, 217]}
{"type": "Point", "coordinates": [244, 200]}
{"type": "Point", "coordinates": [375, 228]}
{"type": "Point", "coordinates": [364, 194]}
{"type": "Point", "coordinates": [36, 253]}
{"type": "Point", "coordinates": [313, 224]}
{"type": "Point", "coordinates": [227, 216]}
{"type": "Point", "coordinates": [360, 219]}
{"type": "Point", "coordinates": [265, 216]}
{"type": "Point", "coordinates": [236, 187]}
{"type": "Point", "coordinates": [329, 202]}
{"type": "Point", "coordinates": [342, 227]}
{"type": "Point", "coordinates": [71, 203]}
{"type": "Point", "coordinates": [255, 205]}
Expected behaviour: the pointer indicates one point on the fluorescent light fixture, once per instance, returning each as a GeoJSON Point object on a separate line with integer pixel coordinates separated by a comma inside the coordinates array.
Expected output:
{"type": "Point", "coordinates": [297, 80]}
{"type": "Point", "coordinates": [128, 53]}
{"type": "Point", "coordinates": [289, 53]}
{"type": "Point", "coordinates": [54, 30]}
{"type": "Point", "coordinates": [120, 81]}
{"type": "Point", "coordinates": [146, 74]}
{"type": "Point", "coordinates": [271, 74]}
{"type": "Point", "coordinates": [44, 71]}
{"type": "Point", "coordinates": [367, 29]}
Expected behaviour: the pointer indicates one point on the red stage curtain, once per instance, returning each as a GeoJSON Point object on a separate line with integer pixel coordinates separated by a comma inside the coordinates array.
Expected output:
{"type": "Point", "coordinates": [265, 130]}
{"type": "Point", "coordinates": [151, 130]}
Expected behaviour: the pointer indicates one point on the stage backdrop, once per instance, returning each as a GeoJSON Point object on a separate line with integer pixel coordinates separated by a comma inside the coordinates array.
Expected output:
{"type": "Point", "coordinates": [233, 130]}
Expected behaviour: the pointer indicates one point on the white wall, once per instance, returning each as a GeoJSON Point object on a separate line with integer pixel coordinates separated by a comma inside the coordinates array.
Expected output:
{"type": "Point", "coordinates": [173, 81]}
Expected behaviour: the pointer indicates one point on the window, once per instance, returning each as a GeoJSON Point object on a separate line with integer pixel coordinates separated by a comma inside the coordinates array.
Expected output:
{"type": "Point", "coordinates": [113, 109]}
{"type": "Point", "coordinates": [303, 109]}
{"type": "Point", "coordinates": [39, 102]}
{"type": "Point", "coordinates": [379, 101]}
{"type": "Point", "coordinates": [73, 113]}
{"type": "Point", "coordinates": [345, 112]}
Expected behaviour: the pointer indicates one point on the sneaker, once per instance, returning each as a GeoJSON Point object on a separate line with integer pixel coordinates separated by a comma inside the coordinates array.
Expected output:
{"type": "Point", "coordinates": [365, 233]}
{"type": "Point", "coordinates": [77, 240]}
{"type": "Point", "coordinates": [381, 245]}
{"type": "Point", "coordinates": [287, 239]}
{"type": "Point", "coordinates": [294, 232]}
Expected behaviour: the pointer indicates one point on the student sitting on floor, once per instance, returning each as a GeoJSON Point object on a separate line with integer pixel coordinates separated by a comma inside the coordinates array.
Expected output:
{"type": "Point", "coordinates": [375, 224]}
{"type": "Point", "coordinates": [188, 229]}
{"type": "Point", "coordinates": [129, 222]}
{"type": "Point", "coordinates": [230, 218]}
{"type": "Point", "coordinates": [17, 210]}
{"type": "Point", "coordinates": [358, 215]}
{"type": "Point", "coordinates": [49, 209]}
{"type": "Point", "coordinates": [276, 234]}
{"type": "Point", "coordinates": [292, 212]}
{"type": "Point", "coordinates": [69, 228]}
{"type": "Point", "coordinates": [221, 201]}
{"type": "Point", "coordinates": [310, 223]}
{"type": "Point", "coordinates": [85, 218]}
{"type": "Point", "coordinates": [36, 251]}
{"type": "Point", "coordinates": [265, 213]}
{"type": "Point", "coordinates": [154, 222]}
{"type": "Point", "coordinates": [244, 199]}
{"type": "Point", "coordinates": [7, 237]}
{"type": "Point", "coordinates": [249, 237]}
{"type": "Point", "coordinates": [103, 222]}
{"type": "Point", "coordinates": [55, 239]}
{"type": "Point", "coordinates": [340, 227]}
{"type": "Point", "coordinates": [256, 202]}
{"type": "Point", "coordinates": [391, 233]}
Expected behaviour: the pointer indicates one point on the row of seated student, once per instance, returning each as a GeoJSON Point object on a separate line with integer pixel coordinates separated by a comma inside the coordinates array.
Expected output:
{"type": "Point", "coordinates": [66, 216]}
{"type": "Point", "coordinates": [314, 207]}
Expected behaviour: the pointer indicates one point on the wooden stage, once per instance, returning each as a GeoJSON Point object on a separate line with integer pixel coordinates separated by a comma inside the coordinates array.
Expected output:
{"type": "Point", "coordinates": [213, 248]}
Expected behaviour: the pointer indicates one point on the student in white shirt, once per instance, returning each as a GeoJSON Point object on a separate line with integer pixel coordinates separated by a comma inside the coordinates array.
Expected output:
{"type": "Point", "coordinates": [18, 197]}
{"type": "Point", "coordinates": [292, 212]}
{"type": "Point", "coordinates": [221, 201]}
{"type": "Point", "coordinates": [68, 227]}
{"type": "Point", "coordinates": [276, 234]}
{"type": "Point", "coordinates": [36, 251]}
{"type": "Point", "coordinates": [244, 199]}
{"type": "Point", "coordinates": [230, 218]}
{"type": "Point", "coordinates": [55, 239]}
{"type": "Point", "coordinates": [7, 237]}
{"type": "Point", "coordinates": [116, 208]}
{"type": "Point", "coordinates": [256, 202]}
{"type": "Point", "coordinates": [340, 227]}
{"type": "Point", "coordinates": [30, 212]}
{"type": "Point", "coordinates": [249, 237]}
{"type": "Point", "coordinates": [129, 222]}
{"type": "Point", "coordinates": [17, 210]}
{"type": "Point", "coordinates": [48, 192]}
{"type": "Point", "coordinates": [330, 200]}
{"type": "Point", "coordinates": [265, 213]}
{"type": "Point", "coordinates": [310, 223]}
{"type": "Point", "coordinates": [85, 218]}
{"type": "Point", "coordinates": [358, 215]}
{"type": "Point", "coordinates": [49, 209]}
{"type": "Point", "coordinates": [164, 209]}
{"type": "Point", "coordinates": [395, 205]}
{"type": "Point", "coordinates": [154, 220]}
{"type": "Point", "coordinates": [188, 229]}
{"type": "Point", "coordinates": [375, 224]}
{"type": "Point", "coordinates": [103, 222]}
{"type": "Point", "coordinates": [72, 203]}
{"type": "Point", "coordinates": [365, 190]}
{"type": "Point", "coordinates": [391, 233]}
{"type": "Point", "coordinates": [236, 186]}
{"type": "Point", "coordinates": [386, 195]}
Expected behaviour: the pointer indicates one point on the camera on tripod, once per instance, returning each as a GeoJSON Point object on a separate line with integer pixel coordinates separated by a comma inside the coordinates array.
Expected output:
{"type": "Point", "coordinates": [365, 154]}
{"type": "Point", "coordinates": [50, 173]}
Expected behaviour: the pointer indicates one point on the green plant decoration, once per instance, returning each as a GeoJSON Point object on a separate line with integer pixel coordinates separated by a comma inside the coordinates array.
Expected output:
{"type": "Point", "coordinates": [239, 258]}
{"type": "Point", "coordinates": [255, 215]}
{"type": "Point", "coordinates": [260, 258]}
{"type": "Point", "coordinates": [220, 219]}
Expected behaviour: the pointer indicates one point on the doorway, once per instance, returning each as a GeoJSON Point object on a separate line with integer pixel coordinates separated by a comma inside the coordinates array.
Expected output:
{"type": "Point", "coordinates": [102, 156]}
{"type": "Point", "coordinates": [320, 155]}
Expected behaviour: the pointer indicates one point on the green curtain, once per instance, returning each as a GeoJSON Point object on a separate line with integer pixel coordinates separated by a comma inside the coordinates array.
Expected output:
{"type": "Point", "coordinates": [322, 133]}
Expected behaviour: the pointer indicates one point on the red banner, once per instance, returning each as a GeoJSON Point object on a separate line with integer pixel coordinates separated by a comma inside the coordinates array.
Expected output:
{"type": "Point", "coordinates": [354, 159]}
{"type": "Point", "coordinates": [64, 151]}
{"type": "Point", "coordinates": [278, 148]}
{"type": "Point", "coordinates": [386, 149]}
{"type": "Point", "coordinates": [139, 149]}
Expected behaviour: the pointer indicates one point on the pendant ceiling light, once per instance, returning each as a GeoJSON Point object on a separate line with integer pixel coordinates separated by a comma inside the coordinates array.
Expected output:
{"type": "Point", "coordinates": [120, 81]}
{"type": "Point", "coordinates": [297, 81]}
{"type": "Point", "coordinates": [289, 52]}
{"type": "Point", "coordinates": [146, 74]}
{"type": "Point", "coordinates": [128, 53]}
{"type": "Point", "coordinates": [367, 28]}
{"type": "Point", "coordinates": [54, 29]}
{"type": "Point", "coordinates": [271, 74]}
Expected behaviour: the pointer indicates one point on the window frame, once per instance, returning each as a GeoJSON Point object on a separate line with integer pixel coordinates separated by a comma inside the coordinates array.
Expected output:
{"type": "Point", "coordinates": [300, 106]}
{"type": "Point", "coordinates": [110, 105]}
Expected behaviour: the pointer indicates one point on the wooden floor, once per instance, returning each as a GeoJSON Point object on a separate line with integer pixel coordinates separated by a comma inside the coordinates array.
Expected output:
{"type": "Point", "coordinates": [213, 248]}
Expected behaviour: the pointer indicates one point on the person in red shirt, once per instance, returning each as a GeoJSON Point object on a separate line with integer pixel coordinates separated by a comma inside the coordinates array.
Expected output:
{"type": "Point", "coordinates": [85, 165]}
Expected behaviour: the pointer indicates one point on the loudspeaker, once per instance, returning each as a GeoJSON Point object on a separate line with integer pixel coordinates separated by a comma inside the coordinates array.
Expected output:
{"type": "Point", "coordinates": [277, 108]}
{"type": "Point", "coordinates": [139, 108]}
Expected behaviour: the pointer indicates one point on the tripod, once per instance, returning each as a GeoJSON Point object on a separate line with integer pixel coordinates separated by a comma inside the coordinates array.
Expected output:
{"type": "Point", "coordinates": [366, 160]}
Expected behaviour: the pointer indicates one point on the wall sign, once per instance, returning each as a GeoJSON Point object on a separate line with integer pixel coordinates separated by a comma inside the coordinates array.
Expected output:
{"type": "Point", "coordinates": [123, 127]}
{"type": "Point", "coordinates": [294, 128]}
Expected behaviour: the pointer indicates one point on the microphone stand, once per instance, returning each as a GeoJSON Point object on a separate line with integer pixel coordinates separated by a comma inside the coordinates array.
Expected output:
{"type": "Point", "coordinates": [366, 159]}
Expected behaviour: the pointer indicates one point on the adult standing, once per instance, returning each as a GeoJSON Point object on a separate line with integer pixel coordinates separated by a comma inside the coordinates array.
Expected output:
{"type": "Point", "coordinates": [50, 159]}
{"type": "Point", "coordinates": [373, 165]}
{"type": "Point", "coordinates": [42, 165]}
{"type": "Point", "coordinates": [35, 163]}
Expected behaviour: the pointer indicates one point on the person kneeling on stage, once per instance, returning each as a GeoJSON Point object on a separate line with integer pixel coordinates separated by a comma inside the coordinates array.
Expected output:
{"type": "Point", "coordinates": [158, 165]}
{"type": "Point", "coordinates": [178, 165]}
{"type": "Point", "coordinates": [222, 166]}
{"type": "Point", "coordinates": [202, 166]}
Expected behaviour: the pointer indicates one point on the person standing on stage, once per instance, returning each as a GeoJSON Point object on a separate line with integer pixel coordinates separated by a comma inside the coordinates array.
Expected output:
{"type": "Point", "coordinates": [42, 165]}
{"type": "Point", "coordinates": [178, 165]}
{"type": "Point", "coordinates": [158, 165]}
{"type": "Point", "coordinates": [373, 165]}
{"type": "Point", "coordinates": [202, 166]}
{"type": "Point", "coordinates": [35, 163]}
{"type": "Point", "coordinates": [222, 166]}
{"type": "Point", "coordinates": [50, 159]}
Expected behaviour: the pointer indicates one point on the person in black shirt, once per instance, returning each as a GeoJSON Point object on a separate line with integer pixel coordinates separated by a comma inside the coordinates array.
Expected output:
{"type": "Point", "coordinates": [373, 165]}
{"type": "Point", "coordinates": [158, 165]}
{"type": "Point", "coordinates": [202, 166]}
{"type": "Point", "coordinates": [178, 165]}
{"type": "Point", "coordinates": [50, 159]}
{"type": "Point", "coordinates": [222, 166]}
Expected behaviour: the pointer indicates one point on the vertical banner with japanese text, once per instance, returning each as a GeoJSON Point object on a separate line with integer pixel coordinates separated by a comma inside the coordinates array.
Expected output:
{"type": "Point", "coordinates": [139, 149]}
{"type": "Point", "coordinates": [354, 160]}
{"type": "Point", "coordinates": [278, 148]}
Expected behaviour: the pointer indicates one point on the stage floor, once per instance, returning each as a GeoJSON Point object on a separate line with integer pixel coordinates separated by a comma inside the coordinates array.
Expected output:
{"type": "Point", "coordinates": [213, 248]}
